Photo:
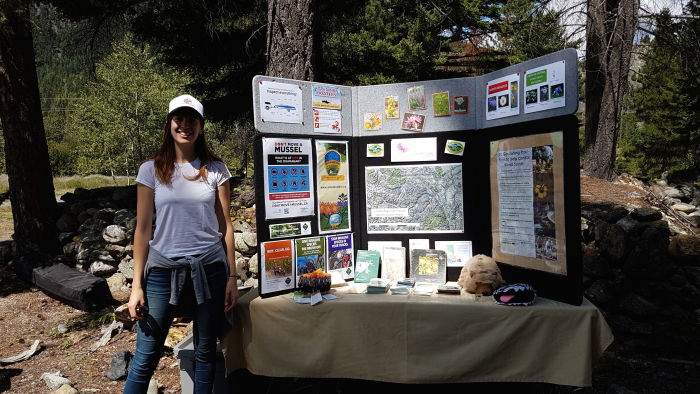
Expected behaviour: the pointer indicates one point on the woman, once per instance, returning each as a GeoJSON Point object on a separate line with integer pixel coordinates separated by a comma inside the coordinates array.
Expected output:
{"type": "Point", "coordinates": [190, 259]}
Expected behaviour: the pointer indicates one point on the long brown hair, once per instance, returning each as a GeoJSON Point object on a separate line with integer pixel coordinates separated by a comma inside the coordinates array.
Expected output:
{"type": "Point", "coordinates": [164, 159]}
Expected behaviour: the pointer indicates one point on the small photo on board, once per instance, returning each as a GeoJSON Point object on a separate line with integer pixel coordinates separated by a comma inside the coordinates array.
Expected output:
{"type": "Point", "coordinates": [544, 93]}
{"type": "Point", "coordinates": [503, 101]}
{"type": "Point", "coordinates": [375, 150]}
{"type": "Point", "coordinates": [557, 91]}
{"type": "Point", "coordinates": [460, 104]}
{"type": "Point", "coordinates": [492, 103]}
{"type": "Point", "coordinates": [373, 121]}
{"type": "Point", "coordinates": [391, 107]}
{"type": "Point", "coordinates": [441, 104]}
{"type": "Point", "coordinates": [514, 94]}
{"type": "Point", "coordinates": [416, 98]}
{"type": "Point", "coordinates": [413, 122]}
{"type": "Point", "coordinates": [531, 96]}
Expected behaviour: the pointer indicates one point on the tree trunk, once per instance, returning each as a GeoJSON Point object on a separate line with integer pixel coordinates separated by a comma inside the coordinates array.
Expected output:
{"type": "Point", "coordinates": [609, 40]}
{"type": "Point", "coordinates": [26, 152]}
{"type": "Point", "coordinates": [291, 39]}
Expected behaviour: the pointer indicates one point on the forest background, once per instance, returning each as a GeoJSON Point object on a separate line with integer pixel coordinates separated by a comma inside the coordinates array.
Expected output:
{"type": "Point", "coordinates": [106, 71]}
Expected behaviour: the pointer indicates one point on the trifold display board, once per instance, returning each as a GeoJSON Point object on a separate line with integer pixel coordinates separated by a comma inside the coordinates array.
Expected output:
{"type": "Point", "coordinates": [471, 165]}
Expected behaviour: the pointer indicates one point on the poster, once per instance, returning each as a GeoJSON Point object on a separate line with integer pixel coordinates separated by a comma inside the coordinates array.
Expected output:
{"type": "Point", "coordinates": [544, 87]}
{"type": "Point", "coordinates": [391, 107]}
{"type": "Point", "coordinates": [458, 252]}
{"type": "Point", "coordinates": [372, 121]}
{"type": "Point", "coordinates": [527, 209]}
{"type": "Point", "coordinates": [393, 266]}
{"type": "Point", "coordinates": [414, 198]}
{"type": "Point", "coordinates": [414, 149]}
{"type": "Point", "coordinates": [460, 104]}
{"type": "Point", "coordinates": [277, 267]}
{"type": "Point", "coordinates": [286, 230]}
{"type": "Point", "coordinates": [287, 178]}
{"type": "Point", "coordinates": [502, 97]}
{"type": "Point", "coordinates": [324, 96]}
{"type": "Point", "coordinates": [454, 147]}
{"type": "Point", "coordinates": [379, 246]}
{"type": "Point", "coordinates": [429, 265]}
{"type": "Point", "coordinates": [418, 243]}
{"type": "Point", "coordinates": [367, 265]}
{"type": "Point", "coordinates": [332, 162]}
{"type": "Point", "coordinates": [375, 150]}
{"type": "Point", "coordinates": [413, 122]}
{"type": "Point", "coordinates": [310, 255]}
{"type": "Point", "coordinates": [441, 104]}
{"type": "Point", "coordinates": [416, 98]}
{"type": "Point", "coordinates": [327, 121]}
{"type": "Point", "coordinates": [280, 102]}
{"type": "Point", "coordinates": [340, 255]}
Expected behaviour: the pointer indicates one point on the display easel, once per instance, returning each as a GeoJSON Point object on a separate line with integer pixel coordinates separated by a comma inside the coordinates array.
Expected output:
{"type": "Point", "coordinates": [480, 128]}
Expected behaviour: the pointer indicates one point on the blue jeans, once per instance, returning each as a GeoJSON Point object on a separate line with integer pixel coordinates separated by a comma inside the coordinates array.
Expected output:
{"type": "Point", "coordinates": [152, 330]}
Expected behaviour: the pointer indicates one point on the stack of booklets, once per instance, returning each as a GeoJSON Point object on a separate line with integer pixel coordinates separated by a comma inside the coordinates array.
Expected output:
{"type": "Point", "coordinates": [378, 286]}
{"type": "Point", "coordinates": [424, 288]}
{"type": "Point", "coordinates": [403, 286]}
{"type": "Point", "coordinates": [449, 288]}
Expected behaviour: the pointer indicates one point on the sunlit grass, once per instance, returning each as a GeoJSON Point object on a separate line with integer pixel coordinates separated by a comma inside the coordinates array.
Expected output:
{"type": "Point", "coordinates": [65, 184]}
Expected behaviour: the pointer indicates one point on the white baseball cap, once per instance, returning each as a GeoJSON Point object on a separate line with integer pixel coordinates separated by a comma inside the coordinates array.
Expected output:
{"type": "Point", "coordinates": [186, 101]}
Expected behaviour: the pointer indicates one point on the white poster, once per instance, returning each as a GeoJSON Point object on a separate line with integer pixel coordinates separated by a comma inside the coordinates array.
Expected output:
{"type": "Point", "coordinates": [327, 121]}
{"type": "Point", "coordinates": [287, 178]}
{"type": "Point", "coordinates": [280, 102]}
{"type": "Point", "coordinates": [502, 97]}
{"type": "Point", "coordinates": [417, 243]}
{"type": "Point", "coordinates": [516, 213]}
{"type": "Point", "coordinates": [414, 149]}
{"type": "Point", "coordinates": [324, 96]}
{"type": "Point", "coordinates": [458, 252]}
{"type": "Point", "coordinates": [544, 87]}
{"type": "Point", "coordinates": [379, 246]}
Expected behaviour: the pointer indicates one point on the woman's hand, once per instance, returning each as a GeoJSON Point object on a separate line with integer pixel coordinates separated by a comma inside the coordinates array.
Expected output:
{"type": "Point", "coordinates": [231, 293]}
{"type": "Point", "coordinates": [136, 303]}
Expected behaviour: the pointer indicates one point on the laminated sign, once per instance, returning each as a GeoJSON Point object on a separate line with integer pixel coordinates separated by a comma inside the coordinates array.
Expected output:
{"type": "Point", "coordinates": [288, 180]}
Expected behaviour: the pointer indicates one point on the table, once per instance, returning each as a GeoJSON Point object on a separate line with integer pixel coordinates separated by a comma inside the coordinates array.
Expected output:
{"type": "Point", "coordinates": [417, 339]}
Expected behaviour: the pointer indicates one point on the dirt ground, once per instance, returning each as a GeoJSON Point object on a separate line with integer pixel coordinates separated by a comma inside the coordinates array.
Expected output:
{"type": "Point", "coordinates": [26, 314]}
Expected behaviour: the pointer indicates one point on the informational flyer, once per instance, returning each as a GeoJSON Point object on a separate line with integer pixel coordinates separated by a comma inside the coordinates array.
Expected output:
{"type": "Point", "coordinates": [340, 255]}
{"type": "Point", "coordinates": [418, 243]}
{"type": "Point", "coordinates": [286, 230]}
{"type": "Point", "coordinates": [502, 97]}
{"type": "Point", "coordinates": [310, 255]}
{"type": "Point", "coordinates": [413, 149]}
{"type": "Point", "coordinates": [393, 265]}
{"type": "Point", "coordinates": [287, 176]}
{"type": "Point", "coordinates": [333, 189]}
{"type": "Point", "coordinates": [379, 246]}
{"type": "Point", "coordinates": [458, 252]}
{"type": "Point", "coordinates": [544, 87]}
{"type": "Point", "coordinates": [424, 198]}
{"type": "Point", "coordinates": [277, 267]}
{"type": "Point", "coordinates": [527, 209]}
{"type": "Point", "coordinates": [280, 102]}
{"type": "Point", "coordinates": [327, 121]}
{"type": "Point", "coordinates": [325, 96]}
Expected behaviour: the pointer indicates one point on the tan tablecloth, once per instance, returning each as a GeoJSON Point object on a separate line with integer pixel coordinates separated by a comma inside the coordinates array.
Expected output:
{"type": "Point", "coordinates": [417, 339]}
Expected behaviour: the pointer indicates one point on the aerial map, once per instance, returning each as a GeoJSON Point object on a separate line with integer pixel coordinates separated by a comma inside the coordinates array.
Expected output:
{"type": "Point", "coordinates": [414, 199]}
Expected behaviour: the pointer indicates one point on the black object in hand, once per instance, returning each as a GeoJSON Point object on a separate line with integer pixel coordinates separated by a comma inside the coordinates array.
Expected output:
{"type": "Point", "coordinates": [141, 311]}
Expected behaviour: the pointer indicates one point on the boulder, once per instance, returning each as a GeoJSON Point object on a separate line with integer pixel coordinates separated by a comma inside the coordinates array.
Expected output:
{"type": "Point", "coordinates": [683, 207]}
{"type": "Point", "coordinates": [246, 243]}
{"type": "Point", "coordinates": [634, 305]}
{"type": "Point", "coordinates": [646, 214]}
{"type": "Point", "coordinates": [614, 244]}
{"type": "Point", "coordinates": [122, 216]}
{"type": "Point", "coordinates": [92, 225]}
{"type": "Point", "coordinates": [115, 234]}
{"type": "Point", "coordinates": [673, 193]}
{"type": "Point", "coordinates": [117, 283]}
{"type": "Point", "coordinates": [686, 247]}
{"type": "Point", "coordinates": [625, 324]}
{"type": "Point", "coordinates": [241, 226]}
{"type": "Point", "coordinates": [247, 198]}
{"type": "Point", "coordinates": [597, 267]}
{"type": "Point", "coordinates": [601, 292]}
{"type": "Point", "coordinates": [126, 267]}
{"type": "Point", "coordinates": [119, 365]}
{"type": "Point", "coordinates": [253, 264]}
{"type": "Point", "coordinates": [65, 389]}
{"type": "Point", "coordinates": [99, 268]}
{"type": "Point", "coordinates": [64, 238]}
{"type": "Point", "coordinates": [54, 380]}
{"type": "Point", "coordinates": [106, 214]}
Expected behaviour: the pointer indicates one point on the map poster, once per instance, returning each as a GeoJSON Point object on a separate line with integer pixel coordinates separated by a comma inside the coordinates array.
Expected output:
{"type": "Point", "coordinates": [286, 230]}
{"type": "Point", "coordinates": [502, 97]}
{"type": "Point", "coordinates": [324, 96]}
{"type": "Point", "coordinates": [327, 121]}
{"type": "Point", "coordinates": [310, 255]}
{"type": "Point", "coordinates": [332, 162]}
{"type": "Point", "coordinates": [287, 178]}
{"type": "Point", "coordinates": [527, 207]}
{"type": "Point", "coordinates": [544, 87]}
{"type": "Point", "coordinates": [424, 198]}
{"type": "Point", "coordinates": [277, 267]}
{"type": "Point", "coordinates": [280, 102]}
{"type": "Point", "coordinates": [340, 255]}
{"type": "Point", "coordinates": [458, 252]}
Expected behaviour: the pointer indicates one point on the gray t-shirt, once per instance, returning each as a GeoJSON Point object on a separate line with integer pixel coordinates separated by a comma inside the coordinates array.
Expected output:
{"type": "Point", "coordinates": [186, 221]}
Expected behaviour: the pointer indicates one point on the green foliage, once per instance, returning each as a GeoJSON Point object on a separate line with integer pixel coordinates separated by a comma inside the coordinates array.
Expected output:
{"type": "Point", "coordinates": [119, 122]}
{"type": "Point", "coordinates": [658, 134]}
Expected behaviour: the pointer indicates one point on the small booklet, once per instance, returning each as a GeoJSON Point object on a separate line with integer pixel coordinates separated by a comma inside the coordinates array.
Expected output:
{"type": "Point", "coordinates": [366, 265]}
{"type": "Point", "coordinates": [429, 265]}
{"type": "Point", "coordinates": [424, 288]}
{"type": "Point", "coordinates": [449, 288]}
{"type": "Point", "coordinates": [378, 286]}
